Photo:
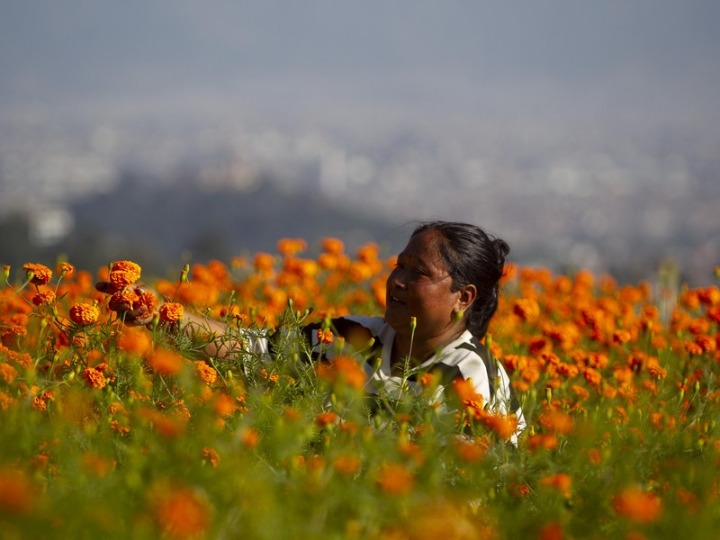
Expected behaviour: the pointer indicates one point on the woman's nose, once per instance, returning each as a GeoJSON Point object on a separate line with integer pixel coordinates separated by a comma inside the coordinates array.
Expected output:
{"type": "Point", "coordinates": [397, 278]}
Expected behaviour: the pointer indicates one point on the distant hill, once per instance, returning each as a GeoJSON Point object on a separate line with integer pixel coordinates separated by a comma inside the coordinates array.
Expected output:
{"type": "Point", "coordinates": [162, 227]}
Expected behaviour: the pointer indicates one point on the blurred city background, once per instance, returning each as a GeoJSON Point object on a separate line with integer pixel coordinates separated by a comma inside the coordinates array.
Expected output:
{"type": "Point", "coordinates": [587, 134]}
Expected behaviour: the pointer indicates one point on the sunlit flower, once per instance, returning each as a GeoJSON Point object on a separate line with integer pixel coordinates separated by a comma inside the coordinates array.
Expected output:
{"type": "Point", "coordinates": [171, 312]}
{"type": "Point", "coordinates": [41, 274]}
{"type": "Point", "coordinates": [43, 297]}
{"type": "Point", "coordinates": [124, 273]}
{"type": "Point", "coordinates": [205, 372]}
{"type": "Point", "coordinates": [94, 377]}
{"type": "Point", "coordinates": [84, 314]}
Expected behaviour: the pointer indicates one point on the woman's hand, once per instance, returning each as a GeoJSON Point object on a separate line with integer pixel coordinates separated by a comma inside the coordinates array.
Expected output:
{"type": "Point", "coordinates": [135, 305]}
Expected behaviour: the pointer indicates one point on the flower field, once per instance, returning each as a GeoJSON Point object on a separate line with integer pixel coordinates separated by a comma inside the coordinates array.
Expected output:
{"type": "Point", "coordinates": [112, 431]}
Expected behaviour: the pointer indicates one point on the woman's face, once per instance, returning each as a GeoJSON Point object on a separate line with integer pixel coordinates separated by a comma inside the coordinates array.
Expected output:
{"type": "Point", "coordinates": [420, 286]}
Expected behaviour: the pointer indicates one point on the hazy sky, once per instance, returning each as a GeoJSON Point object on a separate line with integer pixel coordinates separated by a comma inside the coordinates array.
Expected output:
{"type": "Point", "coordinates": [569, 61]}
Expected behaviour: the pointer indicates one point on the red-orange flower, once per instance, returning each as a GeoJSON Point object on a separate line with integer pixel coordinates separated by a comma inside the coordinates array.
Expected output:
{"type": "Point", "coordinates": [124, 273]}
{"type": "Point", "coordinates": [84, 314]}
{"type": "Point", "coordinates": [41, 274]}
{"type": "Point", "coordinates": [180, 512]}
{"type": "Point", "coordinates": [44, 297]}
{"type": "Point", "coordinates": [638, 505]}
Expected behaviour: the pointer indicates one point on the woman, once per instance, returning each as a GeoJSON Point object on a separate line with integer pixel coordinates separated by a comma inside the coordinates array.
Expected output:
{"type": "Point", "coordinates": [440, 299]}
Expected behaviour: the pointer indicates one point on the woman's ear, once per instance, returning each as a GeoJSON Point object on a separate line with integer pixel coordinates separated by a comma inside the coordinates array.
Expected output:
{"type": "Point", "coordinates": [467, 296]}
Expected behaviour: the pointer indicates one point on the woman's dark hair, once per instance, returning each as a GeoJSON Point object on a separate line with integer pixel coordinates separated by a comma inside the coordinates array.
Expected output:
{"type": "Point", "coordinates": [473, 257]}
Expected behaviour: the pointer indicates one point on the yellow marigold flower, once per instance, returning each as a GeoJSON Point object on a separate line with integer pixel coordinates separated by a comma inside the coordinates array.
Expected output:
{"type": "Point", "coordinates": [94, 377]}
{"type": "Point", "coordinates": [171, 312]}
{"type": "Point", "coordinates": [165, 362]}
{"type": "Point", "coordinates": [84, 314]}
{"type": "Point", "coordinates": [41, 273]}
{"type": "Point", "coordinates": [44, 297]}
{"type": "Point", "coordinates": [638, 505]}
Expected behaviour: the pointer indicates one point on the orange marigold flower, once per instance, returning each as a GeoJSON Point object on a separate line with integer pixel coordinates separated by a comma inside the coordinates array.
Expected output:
{"type": "Point", "coordinates": [556, 422]}
{"type": "Point", "coordinates": [17, 495]}
{"type": "Point", "coordinates": [471, 451]}
{"type": "Point", "coordinates": [395, 479]}
{"type": "Point", "coordinates": [527, 309]}
{"type": "Point", "coordinates": [165, 362]}
{"type": "Point", "coordinates": [342, 370]}
{"type": "Point", "coordinates": [84, 314]}
{"type": "Point", "coordinates": [325, 336]}
{"type": "Point", "coordinates": [561, 482]}
{"type": "Point", "coordinates": [326, 418]}
{"type": "Point", "coordinates": [44, 297]}
{"type": "Point", "coordinates": [465, 390]}
{"type": "Point", "coordinates": [94, 377]}
{"type": "Point", "coordinates": [7, 373]}
{"type": "Point", "coordinates": [206, 373]}
{"type": "Point", "coordinates": [346, 465]}
{"type": "Point", "coordinates": [41, 274]}
{"type": "Point", "coordinates": [171, 312]}
{"type": "Point", "coordinates": [211, 456]}
{"type": "Point", "coordinates": [333, 246]}
{"type": "Point", "coordinates": [291, 246]}
{"type": "Point", "coordinates": [250, 437]}
{"type": "Point", "coordinates": [65, 269]}
{"type": "Point", "coordinates": [123, 273]}
{"type": "Point", "coordinates": [181, 512]}
{"type": "Point", "coordinates": [133, 340]}
{"type": "Point", "coordinates": [638, 505]}
{"type": "Point", "coordinates": [504, 426]}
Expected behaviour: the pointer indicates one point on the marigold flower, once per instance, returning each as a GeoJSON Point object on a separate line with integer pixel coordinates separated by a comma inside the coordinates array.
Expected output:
{"type": "Point", "coordinates": [165, 362]}
{"type": "Point", "coordinates": [334, 246]}
{"type": "Point", "coordinates": [181, 512]}
{"type": "Point", "coordinates": [326, 418]}
{"type": "Point", "coordinates": [124, 273]}
{"type": "Point", "coordinates": [41, 274]}
{"type": "Point", "coordinates": [291, 246]}
{"type": "Point", "coordinates": [44, 297]}
{"type": "Point", "coordinates": [638, 505]}
{"type": "Point", "coordinates": [250, 437]}
{"type": "Point", "coordinates": [84, 314]}
{"type": "Point", "coordinates": [94, 377]}
{"type": "Point", "coordinates": [556, 422]}
{"type": "Point", "coordinates": [171, 312]}
{"type": "Point", "coordinates": [395, 479]}
{"type": "Point", "coordinates": [65, 269]}
{"type": "Point", "coordinates": [346, 465]}
{"type": "Point", "coordinates": [211, 456]}
{"type": "Point", "coordinates": [342, 370]}
{"type": "Point", "coordinates": [325, 336]}
{"type": "Point", "coordinates": [133, 340]}
{"type": "Point", "coordinates": [206, 373]}
{"type": "Point", "coordinates": [527, 309]}
{"type": "Point", "coordinates": [7, 373]}
{"type": "Point", "coordinates": [561, 482]}
{"type": "Point", "coordinates": [17, 495]}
